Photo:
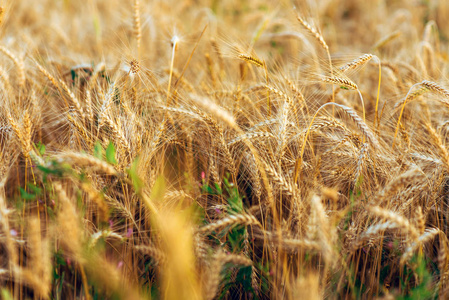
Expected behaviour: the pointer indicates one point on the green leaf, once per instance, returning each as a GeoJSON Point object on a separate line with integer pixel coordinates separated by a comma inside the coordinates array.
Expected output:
{"type": "Point", "coordinates": [36, 190]}
{"type": "Point", "coordinates": [132, 172]}
{"type": "Point", "coordinates": [40, 148]}
{"type": "Point", "coordinates": [208, 190]}
{"type": "Point", "coordinates": [59, 258]}
{"type": "Point", "coordinates": [236, 238]}
{"type": "Point", "coordinates": [158, 190]}
{"type": "Point", "coordinates": [61, 283]}
{"type": "Point", "coordinates": [244, 278]}
{"type": "Point", "coordinates": [55, 168]}
{"type": "Point", "coordinates": [6, 295]}
{"type": "Point", "coordinates": [98, 151]}
{"type": "Point", "coordinates": [25, 195]}
{"type": "Point", "coordinates": [218, 188]}
{"type": "Point", "coordinates": [110, 154]}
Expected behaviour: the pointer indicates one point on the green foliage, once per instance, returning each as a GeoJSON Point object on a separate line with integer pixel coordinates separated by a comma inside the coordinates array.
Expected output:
{"type": "Point", "coordinates": [422, 290]}
{"type": "Point", "coordinates": [6, 295]}
{"type": "Point", "coordinates": [158, 190]}
{"type": "Point", "coordinates": [25, 195]}
{"type": "Point", "coordinates": [110, 154]}
{"type": "Point", "coordinates": [55, 168]}
{"type": "Point", "coordinates": [59, 273]}
{"type": "Point", "coordinates": [98, 151]}
{"type": "Point", "coordinates": [135, 179]}
{"type": "Point", "coordinates": [40, 148]}
{"type": "Point", "coordinates": [235, 237]}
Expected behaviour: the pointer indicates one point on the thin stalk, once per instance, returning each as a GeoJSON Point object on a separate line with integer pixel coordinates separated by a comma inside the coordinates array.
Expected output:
{"type": "Point", "coordinates": [174, 41]}
{"type": "Point", "coordinates": [400, 114]}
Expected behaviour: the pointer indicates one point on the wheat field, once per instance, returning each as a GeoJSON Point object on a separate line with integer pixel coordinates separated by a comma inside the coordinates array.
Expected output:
{"type": "Point", "coordinates": [238, 149]}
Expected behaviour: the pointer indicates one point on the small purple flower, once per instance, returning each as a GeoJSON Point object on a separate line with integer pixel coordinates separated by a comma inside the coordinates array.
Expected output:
{"type": "Point", "coordinates": [13, 232]}
{"type": "Point", "coordinates": [110, 224]}
{"type": "Point", "coordinates": [218, 211]}
{"type": "Point", "coordinates": [203, 175]}
{"type": "Point", "coordinates": [120, 264]}
{"type": "Point", "coordinates": [130, 232]}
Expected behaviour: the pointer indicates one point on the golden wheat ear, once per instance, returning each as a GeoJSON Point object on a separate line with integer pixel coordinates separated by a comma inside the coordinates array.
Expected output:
{"type": "Point", "coordinates": [134, 66]}
{"type": "Point", "coordinates": [342, 82]}
{"type": "Point", "coordinates": [252, 59]}
{"type": "Point", "coordinates": [356, 62]}
{"type": "Point", "coordinates": [323, 43]}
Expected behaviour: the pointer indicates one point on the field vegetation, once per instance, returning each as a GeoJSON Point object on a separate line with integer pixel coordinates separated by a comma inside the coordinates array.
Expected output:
{"type": "Point", "coordinates": [224, 149]}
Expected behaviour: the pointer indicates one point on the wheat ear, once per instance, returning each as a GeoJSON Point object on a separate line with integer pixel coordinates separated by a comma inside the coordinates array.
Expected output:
{"type": "Point", "coordinates": [232, 220]}
{"type": "Point", "coordinates": [19, 64]}
{"type": "Point", "coordinates": [323, 43]}
{"type": "Point", "coordinates": [356, 62]}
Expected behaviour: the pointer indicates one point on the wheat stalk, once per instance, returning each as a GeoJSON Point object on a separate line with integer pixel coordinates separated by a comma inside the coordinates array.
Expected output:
{"type": "Point", "coordinates": [344, 82]}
